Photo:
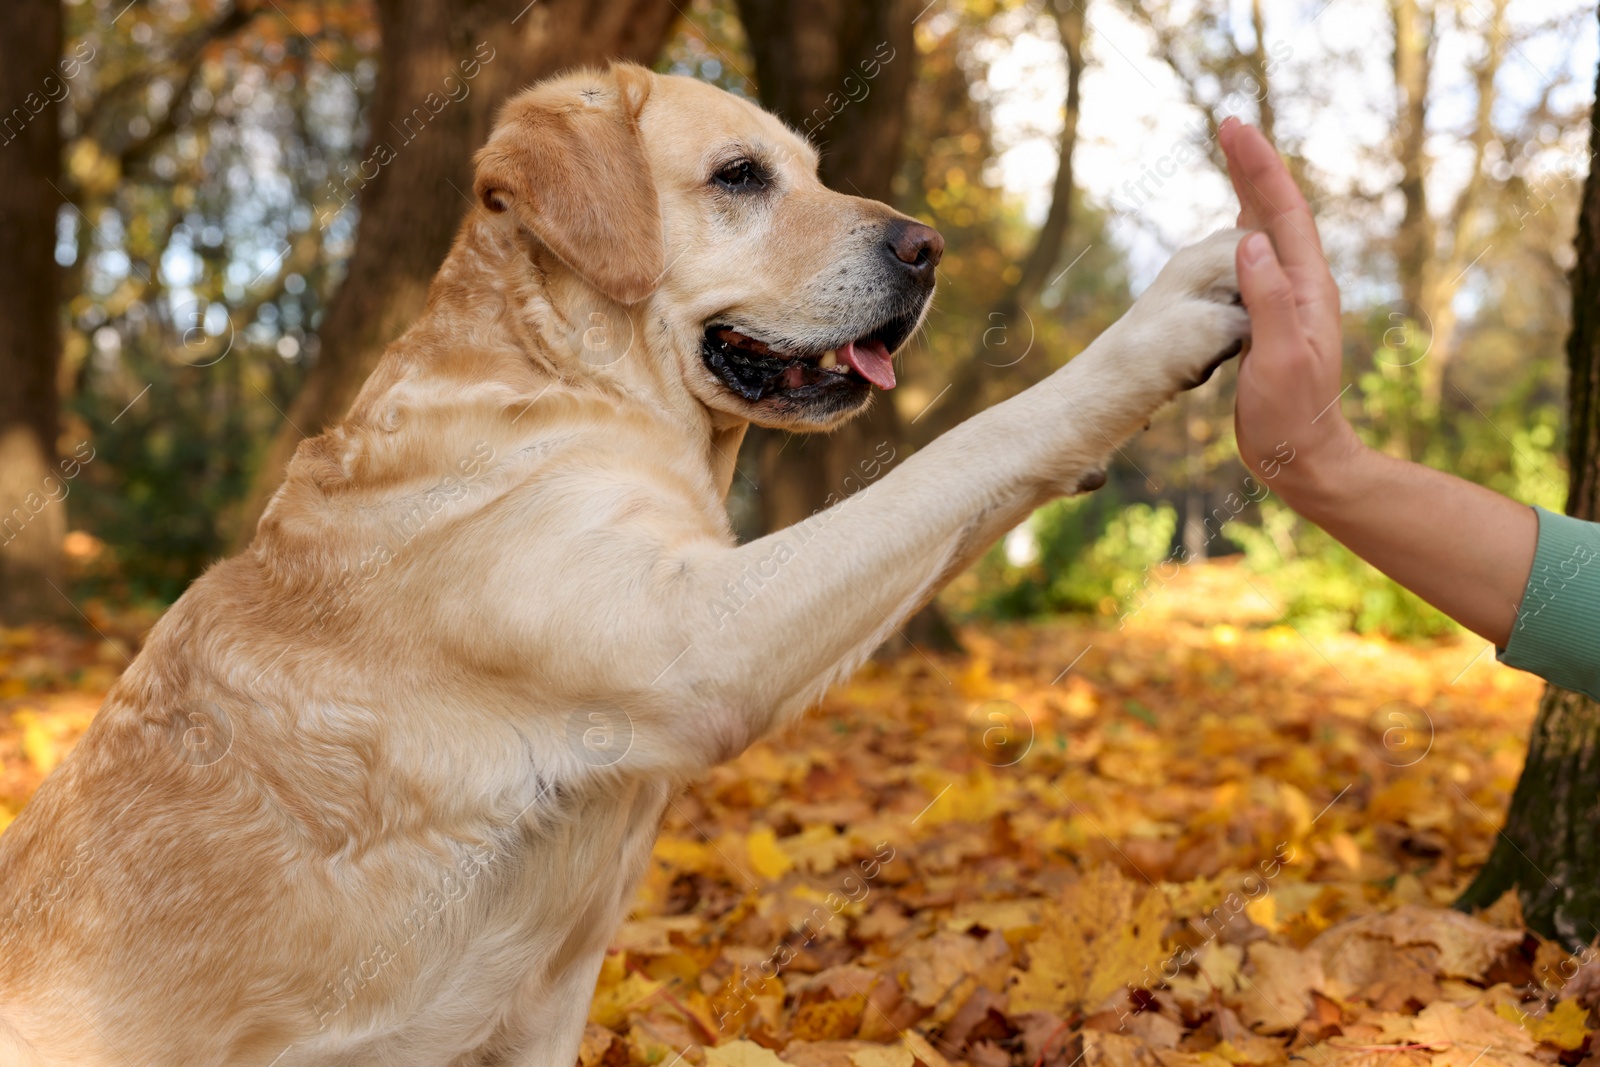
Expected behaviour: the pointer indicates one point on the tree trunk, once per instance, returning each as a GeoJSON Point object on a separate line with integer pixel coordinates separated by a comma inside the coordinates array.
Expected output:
{"type": "Point", "coordinates": [840, 71]}
{"type": "Point", "coordinates": [1416, 241]}
{"type": "Point", "coordinates": [416, 178]}
{"type": "Point", "coordinates": [967, 390]}
{"type": "Point", "coordinates": [1413, 73]}
{"type": "Point", "coordinates": [1267, 118]}
{"type": "Point", "coordinates": [32, 502]}
{"type": "Point", "coordinates": [1549, 849]}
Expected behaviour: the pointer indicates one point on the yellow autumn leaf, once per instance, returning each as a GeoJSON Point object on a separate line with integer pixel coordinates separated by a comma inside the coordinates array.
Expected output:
{"type": "Point", "coordinates": [1104, 934]}
{"type": "Point", "coordinates": [683, 854]}
{"type": "Point", "coordinates": [1264, 913]}
{"type": "Point", "coordinates": [976, 682]}
{"type": "Point", "coordinates": [828, 1020]}
{"type": "Point", "coordinates": [618, 990]}
{"type": "Point", "coordinates": [1298, 807]}
{"type": "Point", "coordinates": [1348, 852]}
{"type": "Point", "coordinates": [742, 1054]}
{"type": "Point", "coordinates": [37, 744]}
{"type": "Point", "coordinates": [818, 849]}
{"type": "Point", "coordinates": [1249, 1051]}
{"type": "Point", "coordinates": [1561, 1027]}
{"type": "Point", "coordinates": [769, 860]}
{"type": "Point", "coordinates": [1278, 994]}
{"type": "Point", "coordinates": [973, 797]}
{"type": "Point", "coordinates": [1010, 917]}
{"type": "Point", "coordinates": [882, 1056]}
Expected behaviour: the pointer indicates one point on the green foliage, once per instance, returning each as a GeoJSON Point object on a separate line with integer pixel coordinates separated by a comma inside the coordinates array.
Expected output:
{"type": "Point", "coordinates": [1095, 556]}
{"type": "Point", "coordinates": [1090, 554]}
{"type": "Point", "coordinates": [167, 469]}
{"type": "Point", "coordinates": [1322, 587]}
{"type": "Point", "coordinates": [234, 216]}
{"type": "Point", "coordinates": [1512, 448]}
{"type": "Point", "coordinates": [197, 264]}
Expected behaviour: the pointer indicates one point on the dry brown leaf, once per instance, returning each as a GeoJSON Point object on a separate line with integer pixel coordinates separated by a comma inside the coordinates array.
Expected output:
{"type": "Point", "coordinates": [828, 1020]}
{"type": "Point", "coordinates": [741, 1054]}
{"type": "Point", "coordinates": [1464, 1035]}
{"type": "Point", "coordinates": [601, 1048]}
{"type": "Point", "coordinates": [821, 1053]}
{"type": "Point", "coordinates": [652, 936]}
{"type": "Point", "coordinates": [882, 1056]}
{"type": "Point", "coordinates": [1154, 1029]}
{"type": "Point", "coordinates": [1102, 1049]}
{"type": "Point", "coordinates": [1103, 934]}
{"type": "Point", "coordinates": [1390, 959]}
{"type": "Point", "coordinates": [1275, 995]}
{"type": "Point", "coordinates": [926, 1055]}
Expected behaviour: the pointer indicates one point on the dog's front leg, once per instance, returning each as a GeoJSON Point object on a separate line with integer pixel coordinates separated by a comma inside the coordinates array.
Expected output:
{"type": "Point", "coordinates": [767, 626]}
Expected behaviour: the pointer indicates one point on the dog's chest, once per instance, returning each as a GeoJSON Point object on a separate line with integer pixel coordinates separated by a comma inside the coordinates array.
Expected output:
{"type": "Point", "coordinates": [524, 922]}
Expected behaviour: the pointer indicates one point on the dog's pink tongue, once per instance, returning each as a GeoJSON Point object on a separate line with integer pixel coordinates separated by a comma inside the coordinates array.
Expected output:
{"type": "Point", "coordinates": [871, 361]}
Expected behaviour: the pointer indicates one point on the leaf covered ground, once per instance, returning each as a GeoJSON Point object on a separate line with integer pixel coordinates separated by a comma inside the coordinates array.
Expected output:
{"type": "Point", "coordinates": [1169, 842]}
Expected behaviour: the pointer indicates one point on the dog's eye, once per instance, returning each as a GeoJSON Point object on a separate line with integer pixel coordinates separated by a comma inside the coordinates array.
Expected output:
{"type": "Point", "coordinates": [741, 176]}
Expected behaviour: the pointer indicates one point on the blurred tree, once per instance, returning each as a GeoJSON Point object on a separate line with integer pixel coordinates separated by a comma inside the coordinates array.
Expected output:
{"type": "Point", "coordinates": [1548, 850]}
{"type": "Point", "coordinates": [846, 80]}
{"type": "Point", "coordinates": [1201, 44]}
{"type": "Point", "coordinates": [1430, 271]}
{"type": "Point", "coordinates": [32, 519]}
{"type": "Point", "coordinates": [840, 72]}
{"type": "Point", "coordinates": [1457, 194]}
{"type": "Point", "coordinates": [414, 181]}
{"type": "Point", "coordinates": [1219, 64]}
{"type": "Point", "coordinates": [196, 243]}
{"type": "Point", "coordinates": [1038, 269]}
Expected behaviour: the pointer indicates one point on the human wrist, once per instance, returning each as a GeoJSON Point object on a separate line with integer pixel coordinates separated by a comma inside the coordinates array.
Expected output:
{"type": "Point", "coordinates": [1328, 477]}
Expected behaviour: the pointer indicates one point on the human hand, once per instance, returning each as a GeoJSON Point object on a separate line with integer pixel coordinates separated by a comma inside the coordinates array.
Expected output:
{"type": "Point", "coordinates": [1287, 419]}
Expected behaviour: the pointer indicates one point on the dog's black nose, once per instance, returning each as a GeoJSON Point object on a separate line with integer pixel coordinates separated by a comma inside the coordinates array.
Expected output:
{"type": "Point", "coordinates": [916, 248]}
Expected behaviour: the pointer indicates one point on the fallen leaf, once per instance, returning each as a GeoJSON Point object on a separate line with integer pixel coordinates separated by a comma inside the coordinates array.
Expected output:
{"type": "Point", "coordinates": [1276, 991]}
{"type": "Point", "coordinates": [742, 1054]}
{"type": "Point", "coordinates": [1561, 1027]}
{"type": "Point", "coordinates": [769, 861]}
{"type": "Point", "coordinates": [1102, 936]}
{"type": "Point", "coordinates": [883, 1056]}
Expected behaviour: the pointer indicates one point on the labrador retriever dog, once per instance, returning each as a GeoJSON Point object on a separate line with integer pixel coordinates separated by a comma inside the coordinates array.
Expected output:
{"type": "Point", "coordinates": [378, 790]}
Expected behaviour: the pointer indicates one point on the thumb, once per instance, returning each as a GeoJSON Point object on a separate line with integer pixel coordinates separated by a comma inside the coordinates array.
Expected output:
{"type": "Point", "coordinates": [1267, 292]}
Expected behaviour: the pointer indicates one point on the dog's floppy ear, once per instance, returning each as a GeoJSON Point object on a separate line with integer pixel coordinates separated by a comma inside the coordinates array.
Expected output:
{"type": "Point", "coordinates": [567, 158]}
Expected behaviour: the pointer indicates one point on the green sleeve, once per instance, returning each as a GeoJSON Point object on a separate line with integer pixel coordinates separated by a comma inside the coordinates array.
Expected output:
{"type": "Point", "coordinates": [1557, 633]}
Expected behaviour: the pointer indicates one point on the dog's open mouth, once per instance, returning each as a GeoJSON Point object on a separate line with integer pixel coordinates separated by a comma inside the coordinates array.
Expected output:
{"type": "Point", "coordinates": [757, 369]}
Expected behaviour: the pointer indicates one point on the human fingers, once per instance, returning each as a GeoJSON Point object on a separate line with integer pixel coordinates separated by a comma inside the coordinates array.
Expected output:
{"type": "Point", "coordinates": [1271, 201]}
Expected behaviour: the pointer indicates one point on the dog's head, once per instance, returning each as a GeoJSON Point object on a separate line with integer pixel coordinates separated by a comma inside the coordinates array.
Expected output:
{"type": "Point", "coordinates": [779, 300]}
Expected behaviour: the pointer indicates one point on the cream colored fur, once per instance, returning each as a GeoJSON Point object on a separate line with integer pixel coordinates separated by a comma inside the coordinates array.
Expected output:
{"type": "Point", "coordinates": [378, 791]}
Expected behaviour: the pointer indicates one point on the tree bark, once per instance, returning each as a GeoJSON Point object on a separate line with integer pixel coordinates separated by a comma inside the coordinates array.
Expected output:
{"type": "Point", "coordinates": [1549, 850]}
{"type": "Point", "coordinates": [1257, 61]}
{"type": "Point", "coordinates": [415, 181]}
{"type": "Point", "coordinates": [1429, 275]}
{"type": "Point", "coordinates": [841, 72]}
{"type": "Point", "coordinates": [966, 388]}
{"type": "Point", "coordinates": [32, 507]}
{"type": "Point", "coordinates": [1413, 74]}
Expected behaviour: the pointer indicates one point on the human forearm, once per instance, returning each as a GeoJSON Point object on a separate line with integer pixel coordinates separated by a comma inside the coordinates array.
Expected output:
{"type": "Point", "coordinates": [1464, 549]}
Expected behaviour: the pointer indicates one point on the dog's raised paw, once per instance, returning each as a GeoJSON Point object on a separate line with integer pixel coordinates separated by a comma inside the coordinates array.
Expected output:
{"type": "Point", "coordinates": [1194, 312]}
{"type": "Point", "coordinates": [1211, 368]}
